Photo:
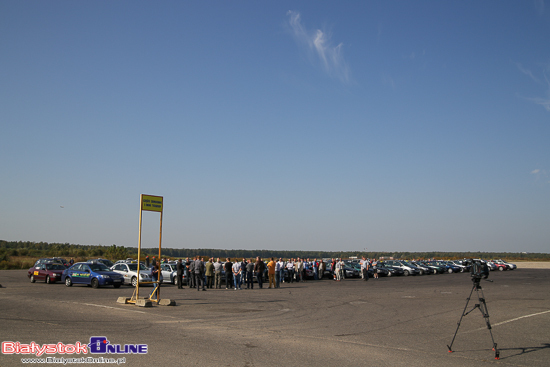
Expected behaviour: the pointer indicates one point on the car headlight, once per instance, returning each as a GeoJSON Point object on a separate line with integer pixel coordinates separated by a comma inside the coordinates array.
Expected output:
{"type": "Point", "coordinates": [105, 276]}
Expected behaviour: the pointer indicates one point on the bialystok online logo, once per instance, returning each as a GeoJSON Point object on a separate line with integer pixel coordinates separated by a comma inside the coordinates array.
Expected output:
{"type": "Point", "coordinates": [97, 345]}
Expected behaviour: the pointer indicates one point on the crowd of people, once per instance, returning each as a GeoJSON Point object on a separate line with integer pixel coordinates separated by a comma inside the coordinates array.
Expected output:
{"type": "Point", "coordinates": [237, 275]}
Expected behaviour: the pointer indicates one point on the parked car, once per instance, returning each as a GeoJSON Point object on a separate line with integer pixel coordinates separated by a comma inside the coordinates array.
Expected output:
{"type": "Point", "coordinates": [129, 273]}
{"type": "Point", "coordinates": [424, 269]}
{"type": "Point", "coordinates": [106, 262]}
{"type": "Point", "coordinates": [47, 260]}
{"type": "Point", "coordinates": [170, 274]}
{"type": "Point", "coordinates": [507, 264]}
{"type": "Point", "coordinates": [95, 275]}
{"type": "Point", "coordinates": [408, 269]}
{"type": "Point", "coordinates": [350, 272]}
{"type": "Point", "coordinates": [48, 272]}
{"type": "Point", "coordinates": [392, 270]}
{"type": "Point", "coordinates": [499, 265]}
{"type": "Point", "coordinates": [463, 268]}
{"type": "Point", "coordinates": [449, 267]}
{"type": "Point", "coordinates": [436, 269]}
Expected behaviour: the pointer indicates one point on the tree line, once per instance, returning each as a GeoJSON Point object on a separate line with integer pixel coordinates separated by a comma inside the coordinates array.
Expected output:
{"type": "Point", "coordinates": [21, 254]}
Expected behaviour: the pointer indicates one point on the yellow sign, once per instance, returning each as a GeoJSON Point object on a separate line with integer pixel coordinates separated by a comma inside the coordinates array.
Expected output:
{"type": "Point", "coordinates": [151, 203]}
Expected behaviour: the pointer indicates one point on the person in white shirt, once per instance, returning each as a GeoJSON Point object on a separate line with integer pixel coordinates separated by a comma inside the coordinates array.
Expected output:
{"type": "Point", "coordinates": [237, 274]}
{"type": "Point", "coordinates": [290, 268]}
{"type": "Point", "coordinates": [279, 273]}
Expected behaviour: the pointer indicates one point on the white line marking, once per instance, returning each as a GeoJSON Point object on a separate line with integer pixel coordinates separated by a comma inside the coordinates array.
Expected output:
{"type": "Point", "coordinates": [114, 308]}
{"type": "Point", "coordinates": [521, 317]}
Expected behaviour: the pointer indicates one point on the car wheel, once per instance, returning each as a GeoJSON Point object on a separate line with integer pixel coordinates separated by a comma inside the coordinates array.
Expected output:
{"type": "Point", "coordinates": [174, 280]}
{"type": "Point", "coordinates": [68, 282]}
{"type": "Point", "coordinates": [48, 281]}
{"type": "Point", "coordinates": [134, 281]}
{"type": "Point", "coordinates": [116, 285]}
{"type": "Point", "coordinates": [462, 270]}
{"type": "Point", "coordinates": [421, 272]}
{"type": "Point", "coordinates": [94, 283]}
{"type": "Point", "coordinates": [500, 268]}
{"type": "Point", "coordinates": [450, 271]}
{"type": "Point", "coordinates": [406, 273]}
{"type": "Point", "coordinates": [32, 279]}
{"type": "Point", "coordinates": [435, 271]}
{"type": "Point", "coordinates": [389, 274]}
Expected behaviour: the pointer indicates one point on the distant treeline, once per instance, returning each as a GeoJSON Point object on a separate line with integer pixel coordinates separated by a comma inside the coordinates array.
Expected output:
{"type": "Point", "coordinates": [22, 249]}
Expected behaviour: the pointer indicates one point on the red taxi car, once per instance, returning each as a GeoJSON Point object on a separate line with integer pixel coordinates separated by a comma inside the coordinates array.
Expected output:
{"type": "Point", "coordinates": [48, 272]}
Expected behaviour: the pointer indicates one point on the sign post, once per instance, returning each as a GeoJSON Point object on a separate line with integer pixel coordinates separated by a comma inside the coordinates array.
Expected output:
{"type": "Point", "coordinates": [153, 204]}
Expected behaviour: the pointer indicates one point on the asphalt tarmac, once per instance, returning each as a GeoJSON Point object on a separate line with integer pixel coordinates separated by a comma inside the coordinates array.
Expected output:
{"type": "Point", "coordinates": [396, 321]}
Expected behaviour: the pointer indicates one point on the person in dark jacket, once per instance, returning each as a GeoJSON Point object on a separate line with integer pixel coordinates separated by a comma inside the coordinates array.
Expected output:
{"type": "Point", "coordinates": [192, 273]}
{"type": "Point", "coordinates": [259, 269]}
{"type": "Point", "coordinates": [199, 274]}
{"type": "Point", "coordinates": [179, 271]}
{"type": "Point", "coordinates": [250, 275]}
{"type": "Point", "coordinates": [228, 266]}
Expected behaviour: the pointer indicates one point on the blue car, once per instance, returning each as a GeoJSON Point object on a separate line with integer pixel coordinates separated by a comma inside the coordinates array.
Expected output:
{"type": "Point", "coordinates": [94, 274]}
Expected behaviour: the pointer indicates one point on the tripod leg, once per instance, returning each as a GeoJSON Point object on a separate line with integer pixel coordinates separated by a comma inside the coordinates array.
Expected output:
{"type": "Point", "coordinates": [459, 321]}
{"type": "Point", "coordinates": [485, 312]}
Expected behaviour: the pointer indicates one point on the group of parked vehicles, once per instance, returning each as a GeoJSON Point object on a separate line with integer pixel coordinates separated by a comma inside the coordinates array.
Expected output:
{"type": "Point", "coordinates": [103, 272]}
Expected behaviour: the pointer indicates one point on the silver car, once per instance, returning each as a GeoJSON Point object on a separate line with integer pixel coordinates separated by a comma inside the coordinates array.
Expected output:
{"type": "Point", "coordinates": [129, 272]}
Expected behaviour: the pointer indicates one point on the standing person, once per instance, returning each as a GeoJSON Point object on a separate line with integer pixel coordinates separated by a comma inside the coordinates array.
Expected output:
{"type": "Point", "coordinates": [192, 273]}
{"type": "Point", "coordinates": [271, 272]}
{"type": "Point", "coordinates": [186, 270]}
{"type": "Point", "coordinates": [333, 268]}
{"type": "Point", "coordinates": [290, 268]}
{"type": "Point", "coordinates": [154, 262]}
{"type": "Point", "coordinates": [315, 265]}
{"type": "Point", "coordinates": [342, 274]}
{"type": "Point", "coordinates": [218, 274]}
{"type": "Point", "coordinates": [250, 274]}
{"type": "Point", "coordinates": [374, 267]}
{"type": "Point", "coordinates": [243, 272]}
{"type": "Point", "coordinates": [155, 277]}
{"type": "Point", "coordinates": [298, 270]}
{"type": "Point", "coordinates": [322, 266]}
{"type": "Point", "coordinates": [305, 267]}
{"type": "Point", "coordinates": [228, 267]}
{"type": "Point", "coordinates": [259, 269]}
{"type": "Point", "coordinates": [209, 272]}
{"type": "Point", "coordinates": [237, 274]}
{"type": "Point", "coordinates": [365, 269]}
{"type": "Point", "coordinates": [147, 260]}
{"type": "Point", "coordinates": [279, 273]}
{"type": "Point", "coordinates": [337, 271]}
{"type": "Point", "coordinates": [179, 273]}
{"type": "Point", "coordinates": [199, 274]}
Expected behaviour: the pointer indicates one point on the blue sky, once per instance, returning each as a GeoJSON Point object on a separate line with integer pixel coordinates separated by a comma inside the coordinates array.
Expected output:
{"type": "Point", "coordinates": [385, 125]}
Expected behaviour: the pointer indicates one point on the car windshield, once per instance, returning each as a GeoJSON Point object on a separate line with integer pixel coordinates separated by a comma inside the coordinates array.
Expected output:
{"type": "Point", "coordinates": [133, 267]}
{"type": "Point", "coordinates": [98, 267]}
{"type": "Point", "coordinates": [107, 263]}
{"type": "Point", "coordinates": [55, 267]}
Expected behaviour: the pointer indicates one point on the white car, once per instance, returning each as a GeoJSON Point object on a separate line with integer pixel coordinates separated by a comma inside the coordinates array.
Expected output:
{"type": "Point", "coordinates": [129, 272]}
{"type": "Point", "coordinates": [169, 273]}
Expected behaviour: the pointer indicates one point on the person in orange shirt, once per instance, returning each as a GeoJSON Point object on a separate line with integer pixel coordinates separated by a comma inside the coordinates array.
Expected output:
{"type": "Point", "coordinates": [271, 272]}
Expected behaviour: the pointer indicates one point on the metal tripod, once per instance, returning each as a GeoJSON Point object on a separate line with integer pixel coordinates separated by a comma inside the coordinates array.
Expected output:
{"type": "Point", "coordinates": [482, 306]}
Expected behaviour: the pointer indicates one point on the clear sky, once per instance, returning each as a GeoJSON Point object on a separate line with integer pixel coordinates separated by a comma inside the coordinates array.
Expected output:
{"type": "Point", "coordinates": [307, 125]}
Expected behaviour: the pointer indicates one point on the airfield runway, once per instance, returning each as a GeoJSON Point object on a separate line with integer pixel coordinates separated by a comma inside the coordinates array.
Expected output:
{"type": "Point", "coordinates": [396, 321]}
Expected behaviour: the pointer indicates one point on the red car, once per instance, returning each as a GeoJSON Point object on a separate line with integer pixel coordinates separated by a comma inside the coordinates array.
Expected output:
{"type": "Point", "coordinates": [48, 272]}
